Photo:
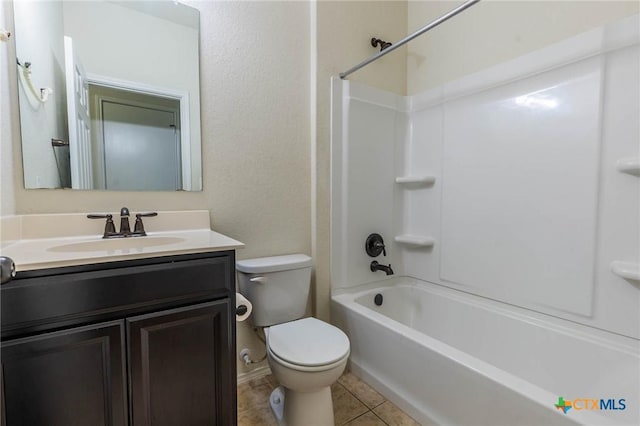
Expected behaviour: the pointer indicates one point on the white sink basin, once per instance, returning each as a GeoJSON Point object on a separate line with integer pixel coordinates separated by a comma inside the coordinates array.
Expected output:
{"type": "Point", "coordinates": [116, 244]}
{"type": "Point", "coordinates": [62, 240]}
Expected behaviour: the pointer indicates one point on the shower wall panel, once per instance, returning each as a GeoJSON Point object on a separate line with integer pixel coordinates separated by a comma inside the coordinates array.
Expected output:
{"type": "Point", "coordinates": [520, 176]}
{"type": "Point", "coordinates": [362, 180]}
{"type": "Point", "coordinates": [529, 206]}
{"type": "Point", "coordinates": [515, 183]}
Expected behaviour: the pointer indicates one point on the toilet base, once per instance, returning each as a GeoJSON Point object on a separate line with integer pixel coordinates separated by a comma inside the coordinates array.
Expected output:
{"type": "Point", "coordinates": [276, 401]}
{"type": "Point", "coordinates": [302, 408]}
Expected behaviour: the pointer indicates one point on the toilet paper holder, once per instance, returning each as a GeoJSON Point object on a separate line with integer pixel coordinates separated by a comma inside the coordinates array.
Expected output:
{"type": "Point", "coordinates": [243, 307]}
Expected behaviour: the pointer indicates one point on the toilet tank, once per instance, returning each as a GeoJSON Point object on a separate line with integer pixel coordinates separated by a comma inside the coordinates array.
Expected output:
{"type": "Point", "coordinates": [277, 287]}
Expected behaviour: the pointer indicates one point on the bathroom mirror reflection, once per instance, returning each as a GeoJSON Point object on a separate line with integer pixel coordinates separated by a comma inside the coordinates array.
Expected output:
{"type": "Point", "coordinates": [109, 94]}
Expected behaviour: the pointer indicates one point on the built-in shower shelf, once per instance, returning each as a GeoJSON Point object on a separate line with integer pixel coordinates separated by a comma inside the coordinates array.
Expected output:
{"type": "Point", "coordinates": [414, 240]}
{"type": "Point", "coordinates": [629, 165]}
{"type": "Point", "coordinates": [416, 180]}
{"type": "Point", "coordinates": [626, 270]}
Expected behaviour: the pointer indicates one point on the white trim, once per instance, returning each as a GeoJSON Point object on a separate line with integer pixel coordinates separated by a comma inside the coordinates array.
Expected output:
{"type": "Point", "coordinates": [80, 157]}
{"type": "Point", "coordinates": [185, 115]}
{"type": "Point", "coordinates": [379, 97]}
{"type": "Point", "coordinates": [313, 135]}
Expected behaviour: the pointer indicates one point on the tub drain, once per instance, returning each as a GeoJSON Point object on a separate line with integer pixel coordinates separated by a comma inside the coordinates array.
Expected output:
{"type": "Point", "coordinates": [377, 299]}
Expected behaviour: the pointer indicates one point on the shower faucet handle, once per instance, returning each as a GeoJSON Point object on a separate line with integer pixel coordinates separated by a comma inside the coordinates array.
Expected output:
{"type": "Point", "coordinates": [375, 245]}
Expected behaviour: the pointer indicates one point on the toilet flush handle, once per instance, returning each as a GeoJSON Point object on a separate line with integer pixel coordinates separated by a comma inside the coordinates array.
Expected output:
{"type": "Point", "coordinates": [258, 279]}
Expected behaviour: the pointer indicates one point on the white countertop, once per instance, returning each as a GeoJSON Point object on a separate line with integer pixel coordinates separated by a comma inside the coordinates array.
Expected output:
{"type": "Point", "coordinates": [56, 251]}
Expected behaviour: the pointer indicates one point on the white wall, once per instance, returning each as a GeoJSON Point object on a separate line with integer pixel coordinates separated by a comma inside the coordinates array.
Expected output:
{"type": "Point", "coordinates": [494, 31]}
{"type": "Point", "coordinates": [528, 207]}
{"type": "Point", "coordinates": [38, 38]}
{"type": "Point", "coordinates": [167, 60]}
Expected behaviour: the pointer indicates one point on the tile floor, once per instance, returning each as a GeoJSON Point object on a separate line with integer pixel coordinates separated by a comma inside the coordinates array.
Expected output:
{"type": "Point", "coordinates": [354, 404]}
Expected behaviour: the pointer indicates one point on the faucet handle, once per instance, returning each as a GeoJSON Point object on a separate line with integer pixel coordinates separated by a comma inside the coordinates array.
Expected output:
{"type": "Point", "coordinates": [374, 245]}
{"type": "Point", "coordinates": [109, 227]}
{"type": "Point", "coordinates": [147, 214]}
{"type": "Point", "coordinates": [99, 216]}
{"type": "Point", "coordinates": [139, 226]}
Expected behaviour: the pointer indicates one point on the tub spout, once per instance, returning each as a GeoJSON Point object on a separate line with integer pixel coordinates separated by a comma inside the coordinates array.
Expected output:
{"type": "Point", "coordinates": [375, 266]}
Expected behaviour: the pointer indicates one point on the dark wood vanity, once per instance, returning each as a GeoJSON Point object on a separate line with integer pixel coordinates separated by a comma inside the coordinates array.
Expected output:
{"type": "Point", "coordinates": [135, 342]}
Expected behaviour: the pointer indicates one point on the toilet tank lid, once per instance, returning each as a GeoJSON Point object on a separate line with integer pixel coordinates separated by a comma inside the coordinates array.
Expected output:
{"type": "Point", "coordinates": [261, 265]}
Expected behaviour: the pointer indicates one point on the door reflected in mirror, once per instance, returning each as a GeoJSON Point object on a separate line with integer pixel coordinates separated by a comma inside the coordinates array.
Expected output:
{"type": "Point", "coordinates": [109, 95]}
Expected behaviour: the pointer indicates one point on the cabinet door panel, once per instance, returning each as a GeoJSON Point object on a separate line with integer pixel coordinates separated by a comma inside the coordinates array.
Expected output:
{"type": "Point", "coordinates": [180, 367]}
{"type": "Point", "coordinates": [66, 378]}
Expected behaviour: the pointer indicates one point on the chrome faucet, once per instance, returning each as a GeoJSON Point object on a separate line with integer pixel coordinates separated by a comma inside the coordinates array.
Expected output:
{"type": "Point", "coordinates": [125, 228]}
{"type": "Point", "coordinates": [375, 266]}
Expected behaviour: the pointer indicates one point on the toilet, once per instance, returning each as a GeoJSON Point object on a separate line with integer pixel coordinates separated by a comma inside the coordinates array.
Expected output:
{"type": "Point", "coordinates": [305, 355]}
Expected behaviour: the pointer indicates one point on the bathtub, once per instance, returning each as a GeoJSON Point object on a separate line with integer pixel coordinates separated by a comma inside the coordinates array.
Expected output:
{"type": "Point", "coordinates": [447, 357]}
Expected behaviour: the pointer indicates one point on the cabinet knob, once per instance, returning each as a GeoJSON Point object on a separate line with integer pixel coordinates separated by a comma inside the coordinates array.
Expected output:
{"type": "Point", "coordinates": [7, 269]}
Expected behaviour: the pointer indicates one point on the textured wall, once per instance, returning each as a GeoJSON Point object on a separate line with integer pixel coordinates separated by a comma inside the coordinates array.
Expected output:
{"type": "Point", "coordinates": [492, 32]}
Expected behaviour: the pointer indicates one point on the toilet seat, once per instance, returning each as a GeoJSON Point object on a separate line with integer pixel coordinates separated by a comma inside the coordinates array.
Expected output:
{"type": "Point", "coordinates": [308, 343]}
{"type": "Point", "coordinates": [306, 369]}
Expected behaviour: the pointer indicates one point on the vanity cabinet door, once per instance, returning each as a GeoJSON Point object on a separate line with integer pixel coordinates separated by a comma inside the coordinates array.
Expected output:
{"type": "Point", "coordinates": [69, 377]}
{"type": "Point", "coordinates": [182, 366]}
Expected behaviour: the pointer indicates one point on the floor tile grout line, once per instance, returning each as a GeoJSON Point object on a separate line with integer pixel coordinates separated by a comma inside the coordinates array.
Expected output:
{"type": "Point", "coordinates": [373, 408]}
{"type": "Point", "coordinates": [358, 399]}
{"type": "Point", "coordinates": [364, 403]}
{"type": "Point", "coordinates": [381, 419]}
{"type": "Point", "coordinates": [350, 420]}
{"type": "Point", "coordinates": [370, 408]}
{"type": "Point", "coordinates": [364, 414]}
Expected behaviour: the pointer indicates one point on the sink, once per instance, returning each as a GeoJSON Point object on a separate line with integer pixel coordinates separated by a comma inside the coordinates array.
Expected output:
{"type": "Point", "coordinates": [135, 243]}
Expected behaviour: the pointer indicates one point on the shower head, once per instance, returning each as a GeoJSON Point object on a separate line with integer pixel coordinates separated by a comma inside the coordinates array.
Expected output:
{"type": "Point", "coordinates": [375, 42]}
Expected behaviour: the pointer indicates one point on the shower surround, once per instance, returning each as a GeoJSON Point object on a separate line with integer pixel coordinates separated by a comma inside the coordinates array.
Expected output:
{"type": "Point", "coordinates": [517, 187]}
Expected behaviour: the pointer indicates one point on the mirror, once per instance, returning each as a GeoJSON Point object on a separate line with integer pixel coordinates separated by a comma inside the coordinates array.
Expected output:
{"type": "Point", "coordinates": [109, 94]}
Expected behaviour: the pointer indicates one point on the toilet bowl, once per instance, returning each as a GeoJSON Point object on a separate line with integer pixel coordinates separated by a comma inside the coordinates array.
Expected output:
{"type": "Point", "coordinates": [306, 355]}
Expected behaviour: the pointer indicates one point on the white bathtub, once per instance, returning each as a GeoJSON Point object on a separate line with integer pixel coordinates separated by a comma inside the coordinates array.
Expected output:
{"type": "Point", "coordinates": [447, 357]}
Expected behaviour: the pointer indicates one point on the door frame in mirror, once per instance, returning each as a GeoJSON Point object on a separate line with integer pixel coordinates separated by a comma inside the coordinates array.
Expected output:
{"type": "Point", "coordinates": [180, 96]}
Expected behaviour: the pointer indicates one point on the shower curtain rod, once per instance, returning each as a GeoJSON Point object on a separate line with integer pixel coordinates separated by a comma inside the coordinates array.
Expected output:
{"type": "Point", "coordinates": [410, 37]}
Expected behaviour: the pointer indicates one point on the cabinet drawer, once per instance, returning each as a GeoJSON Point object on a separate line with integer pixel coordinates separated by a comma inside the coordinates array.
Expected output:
{"type": "Point", "coordinates": [44, 302]}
